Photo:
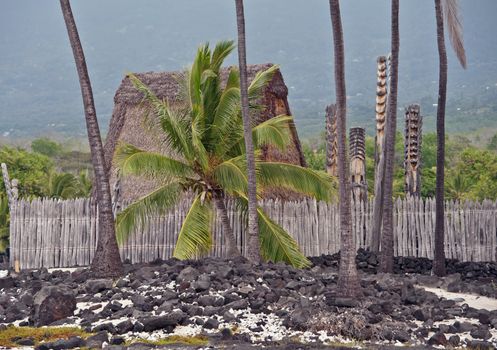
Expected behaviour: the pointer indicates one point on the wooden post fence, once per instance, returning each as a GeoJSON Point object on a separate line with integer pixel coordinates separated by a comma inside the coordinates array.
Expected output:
{"type": "Point", "coordinates": [55, 233]}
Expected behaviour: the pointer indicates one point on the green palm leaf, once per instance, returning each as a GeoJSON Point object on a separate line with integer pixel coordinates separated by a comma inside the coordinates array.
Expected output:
{"type": "Point", "coordinates": [62, 186]}
{"type": "Point", "coordinates": [175, 126]}
{"type": "Point", "coordinates": [273, 132]}
{"type": "Point", "coordinates": [295, 178]}
{"type": "Point", "coordinates": [276, 244]}
{"type": "Point", "coordinates": [195, 236]}
{"type": "Point", "coordinates": [260, 82]}
{"type": "Point", "coordinates": [197, 136]}
{"type": "Point", "coordinates": [222, 50]}
{"type": "Point", "coordinates": [231, 177]}
{"type": "Point", "coordinates": [227, 123]}
{"type": "Point", "coordinates": [155, 203]}
{"type": "Point", "coordinates": [134, 161]}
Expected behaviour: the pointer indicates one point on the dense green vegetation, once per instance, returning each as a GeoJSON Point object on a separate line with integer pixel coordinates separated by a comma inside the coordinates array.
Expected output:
{"type": "Point", "coordinates": [471, 171]}
{"type": "Point", "coordinates": [47, 170]}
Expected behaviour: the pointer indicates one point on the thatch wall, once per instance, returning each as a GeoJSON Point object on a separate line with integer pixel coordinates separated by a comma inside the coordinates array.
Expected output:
{"type": "Point", "coordinates": [129, 121]}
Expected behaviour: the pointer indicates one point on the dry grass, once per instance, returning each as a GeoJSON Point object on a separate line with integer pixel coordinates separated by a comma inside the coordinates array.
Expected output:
{"type": "Point", "coordinates": [11, 334]}
{"type": "Point", "coordinates": [174, 339]}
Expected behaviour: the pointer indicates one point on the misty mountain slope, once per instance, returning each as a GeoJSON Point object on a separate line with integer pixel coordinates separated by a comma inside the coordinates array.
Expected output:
{"type": "Point", "coordinates": [39, 91]}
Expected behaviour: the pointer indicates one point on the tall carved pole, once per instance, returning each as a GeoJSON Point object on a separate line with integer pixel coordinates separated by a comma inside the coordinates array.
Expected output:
{"type": "Point", "coordinates": [331, 141]}
{"type": "Point", "coordinates": [357, 141]}
{"type": "Point", "coordinates": [412, 159]}
{"type": "Point", "coordinates": [381, 117]}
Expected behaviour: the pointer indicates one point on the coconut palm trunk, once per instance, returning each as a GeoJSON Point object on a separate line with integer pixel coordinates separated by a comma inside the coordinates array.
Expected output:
{"type": "Point", "coordinates": [107, 261]}
{"type": "Point", "coordinates": [253, 246]}
{"type": "Point", "coordinates": [449, 8]}
{"type": "Point", "coordinates": [386, 255]}
{"type": "Point", "coordinates": [231, 248]}
{"type": "Point", "coordinates": [439, 254]}
{"type": "Point", "coordinates": [348, 281]}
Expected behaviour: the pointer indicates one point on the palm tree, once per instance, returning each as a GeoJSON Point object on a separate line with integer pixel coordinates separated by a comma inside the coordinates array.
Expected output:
{"type": "Point", "coordinates": [458, 187]}
{"type": "Point", "coordinates": [106, 261]}
{"type": "Point", "coordinates": [348, 281]}
{"type": "Point", "coordinates": [386, 256]}
{"type": "Point", "coordinates": [451, 10]}
{"type": "Point", "coordinates": [205, 136]}
{"type": "Point", "coordinates": [253, 246]}
{"type": "Point", "coordinates": [62, 185]}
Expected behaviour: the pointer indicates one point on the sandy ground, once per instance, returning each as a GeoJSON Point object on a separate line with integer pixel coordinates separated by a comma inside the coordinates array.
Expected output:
{"type": "Point", "coordinates": [474, 301]}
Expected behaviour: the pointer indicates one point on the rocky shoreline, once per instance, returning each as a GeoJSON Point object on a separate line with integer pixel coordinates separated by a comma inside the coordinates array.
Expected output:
{"type": "Point", "coordinates": [235, 302]}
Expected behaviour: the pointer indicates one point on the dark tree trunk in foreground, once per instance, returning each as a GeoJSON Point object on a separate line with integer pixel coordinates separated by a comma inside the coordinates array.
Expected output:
{"type": "Point", "coordinates": [231, 248]}
{"type": "Point", "coordinates": [439, 261]}
{"type": "Point", "coordinates": [107, 261]}
{"type": "Point", "coordinates": [348, 281]}
{"type": "Point", "coordinates": [386, 256]}
{"type": "Point", "coordinates": [253, 246]}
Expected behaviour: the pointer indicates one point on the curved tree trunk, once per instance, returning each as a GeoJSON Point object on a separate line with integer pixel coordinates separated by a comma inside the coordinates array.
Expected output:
{"type": "Point", "coordinates": [348, 281]}
{"type": "Point", "coordinates": [231, 248]}
{"type": "Point", "coordinates": [386, 256]}
{"type": "Point", "coordinates": [439, 261]}
{"type": "Point", "coordinates": [107, 261]}
{"type": "Point", "coordinates": [253, 246]}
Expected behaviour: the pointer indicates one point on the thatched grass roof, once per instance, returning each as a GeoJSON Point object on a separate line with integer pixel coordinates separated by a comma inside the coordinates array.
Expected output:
{"type": "Point", "coordinates": [128, 121]}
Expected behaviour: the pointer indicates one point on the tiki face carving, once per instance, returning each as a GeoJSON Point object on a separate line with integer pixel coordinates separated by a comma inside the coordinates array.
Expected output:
{"type": "Point", "coordinates": [412, 156]}
{"type": "Point", "coordinates": [357, 140]}
{"type": "Point", "coordinates": [331, 141]}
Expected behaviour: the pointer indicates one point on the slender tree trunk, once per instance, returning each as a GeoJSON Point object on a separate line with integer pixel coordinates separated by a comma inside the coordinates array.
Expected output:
{"type": "Point", "coordinates": [439, 261]}
{"type": "Point", "coordinates": [386, 256]}
{"type": "Point", "coordinates": [231, 248]}
{"type": "Point", "coordinates": [348, 281]}
{"type": "Point", "coordinates": [107, 261]}
{"type": "Point", "coordinates": [253, 246]}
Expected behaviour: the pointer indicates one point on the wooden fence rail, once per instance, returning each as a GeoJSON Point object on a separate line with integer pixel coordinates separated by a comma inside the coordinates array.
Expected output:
{"type": "Point", "coordinates": [54, 233]}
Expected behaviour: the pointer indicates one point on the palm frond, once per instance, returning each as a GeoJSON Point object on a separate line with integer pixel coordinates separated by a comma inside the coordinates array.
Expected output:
{"type": "Point", "coordinates": [222, 50]}
{"type": "Point", "coordinates": [273, 132]}
{"type": "Point", "coordinates": [454, 27]}
{"type": "Point", "coordinates": [227, 123]}
{"type": "Point", "coordinates": [175, 126]}
{"type": "Point", "coordinates": [200, 64]}
{"type": "Point", "coordinates": [276, 244]}
{"type": "Point", "coordinates": [260, 81]}
{"type": "Point", "coordinates": [195, 236]}
{"type": "Point", "coordinates": [63, 186]}
{"type": "Point", "coordinates": [155, 203]}
{"type": "Point", "coordinates": [198, 129]}
{"type": "Point", "coordinates": [233, 80]}
{"type": "Point", "coordinates": [309, 182]}
{"type": "Point", "coordinates": [134, 161]}
{"type": "Point", "coordinates": [231, 177]}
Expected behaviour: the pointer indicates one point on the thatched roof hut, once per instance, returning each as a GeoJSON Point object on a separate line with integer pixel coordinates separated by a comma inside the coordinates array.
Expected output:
{"type": "Point", "coordinates": [129, 115]}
